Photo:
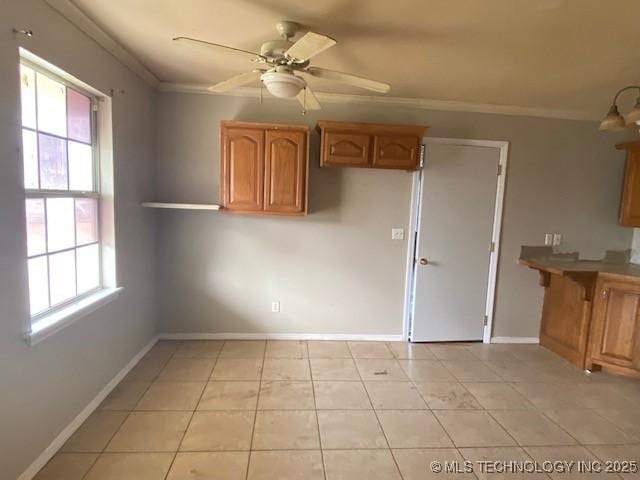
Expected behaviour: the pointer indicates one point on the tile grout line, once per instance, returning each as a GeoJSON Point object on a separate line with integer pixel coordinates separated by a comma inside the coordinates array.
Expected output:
{"type": "Point", "coordinates": [483, 447]}
{"type": "Point", "coordinates": [315, 405]}
{"type": "Point", "coordinates": [133, 409]}
{"type": "Point", "coordinates": [375, 412]}
{"type": "Point", "coordinates": [413, 382]}
{"type": "Point", "coordinates": [436, 417]}
{"type": "Point", "coordinates": [255, 413]}
{"type": "Point", "coordinates": [193, 413]}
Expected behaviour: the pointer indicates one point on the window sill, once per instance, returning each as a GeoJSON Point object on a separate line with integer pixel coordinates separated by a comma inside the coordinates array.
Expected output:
{"type": "Point", "coordinates": [56, 321]}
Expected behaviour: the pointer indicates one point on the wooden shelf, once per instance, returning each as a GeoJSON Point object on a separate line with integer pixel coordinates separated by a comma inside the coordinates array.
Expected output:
{"type": "Point", "coordinates": [182, 206]}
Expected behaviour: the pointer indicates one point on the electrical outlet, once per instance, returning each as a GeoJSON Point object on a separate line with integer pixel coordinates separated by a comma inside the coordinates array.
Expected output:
{"type": "Point", "coordinates": [548, 239]}
{"type": "Point", "coordinates": [557, 239]}
{"type": "Point", "coordinates": [275, 306]}
{"type": "Point", "coordinates": [397, 234]}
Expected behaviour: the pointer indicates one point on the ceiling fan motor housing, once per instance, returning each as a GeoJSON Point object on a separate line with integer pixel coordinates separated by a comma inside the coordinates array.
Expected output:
{"type": "Point", "coordinates": [275, 49]}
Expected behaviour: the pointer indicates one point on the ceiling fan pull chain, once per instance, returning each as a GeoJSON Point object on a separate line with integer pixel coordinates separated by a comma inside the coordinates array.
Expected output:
{"type": "Point", "coordinates": [261, 89]}
{"type": "Point", "coordinates": [304, 102]}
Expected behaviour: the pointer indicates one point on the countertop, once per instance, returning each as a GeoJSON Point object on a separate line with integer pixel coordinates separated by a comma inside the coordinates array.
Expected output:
{"type": "Point", "coordinates": [543, 258]}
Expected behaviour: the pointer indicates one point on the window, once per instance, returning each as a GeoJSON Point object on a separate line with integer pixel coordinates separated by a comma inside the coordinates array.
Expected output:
{"type": "Point", "coordinates": [61, 188]}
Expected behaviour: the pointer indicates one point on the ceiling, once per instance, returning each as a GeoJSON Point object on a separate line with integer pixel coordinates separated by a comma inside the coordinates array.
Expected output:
{"type": "Point", "coordinates": [569, 55]}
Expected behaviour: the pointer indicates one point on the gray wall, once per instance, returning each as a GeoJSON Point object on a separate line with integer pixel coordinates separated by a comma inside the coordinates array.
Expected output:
{"type": "Point", "coordinates": [44, 387]}
{"type": "Point", "coordinates": [337, 271]}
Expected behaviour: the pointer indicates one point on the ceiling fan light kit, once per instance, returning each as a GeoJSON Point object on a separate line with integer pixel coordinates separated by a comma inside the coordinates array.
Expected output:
{"type": "Point", "coordinates": [282, 84]}
{"type": "Point", "coordinates": [614, 121]}
{"type": "Point", "coordinates": [282, 59]}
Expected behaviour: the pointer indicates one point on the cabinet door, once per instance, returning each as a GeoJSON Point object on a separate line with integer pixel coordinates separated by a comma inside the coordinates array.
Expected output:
{"type": "Point", "coordinates": [345, 149]}
{"type": "Point", "coordinates": [396, 152]}
{"type": "Point", "coordinates": [285, 171]}
{"type": "Point", "coordinates": [242, 173]}
{"type": "Point", "coordinates": [630, 206]}
{"type": "Point", "coordinates": [615, 333]}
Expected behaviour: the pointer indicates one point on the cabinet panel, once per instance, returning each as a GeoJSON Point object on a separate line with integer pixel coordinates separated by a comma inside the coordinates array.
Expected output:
{"type": "Point", "coordinates": [630, 206]}
{"type": "Point", "coordinates": [346, 149]}
{"type": "Point", "coordinates": [370, 145]}
{"type": "Point", "coordinates": [619, 326]}
{"type": "Point", "coordinates": [243, 169]}
{"type": "Point", "coordinates": [285, 171]}
{"type": "Point", "coordinates": [566, 313]}
{"type": "Point", "coordinates": [396, 152]}
{"type": "Point", "coordinates": [615, 324]}
{"type": "Point", "coordinates": [264, 168]}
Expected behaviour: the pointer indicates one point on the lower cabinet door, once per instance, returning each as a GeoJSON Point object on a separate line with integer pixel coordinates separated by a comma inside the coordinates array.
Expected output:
{"type": "Point", "coordinates": [615, 324]}
{"type": "Point", "coordinates": [242, 173]}
{"type": "Point", "coordinates": [285, 180]}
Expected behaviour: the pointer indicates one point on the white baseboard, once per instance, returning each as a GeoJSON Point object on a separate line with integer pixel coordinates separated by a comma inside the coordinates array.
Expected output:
{"type": "Point", "coordinates": [63, 436]}
{"type": "Point", "coordinates": [515, 340]}
{"type": "Point", "coordinates": [280, 336]}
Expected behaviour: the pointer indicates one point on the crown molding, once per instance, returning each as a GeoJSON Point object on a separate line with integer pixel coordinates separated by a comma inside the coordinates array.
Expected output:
{"type": "Point", "coordinates": [82, 21]}
{"type": "Point", "coordinates": [403, 102]}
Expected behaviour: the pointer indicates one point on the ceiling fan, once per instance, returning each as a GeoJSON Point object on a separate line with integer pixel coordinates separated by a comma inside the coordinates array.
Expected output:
{"type": "Point", "coordinates": [279, 60]}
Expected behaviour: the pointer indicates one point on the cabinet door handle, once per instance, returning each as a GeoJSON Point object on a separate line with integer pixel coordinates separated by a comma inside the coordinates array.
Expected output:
{"type": "Point", "coordinates": [604, 293]}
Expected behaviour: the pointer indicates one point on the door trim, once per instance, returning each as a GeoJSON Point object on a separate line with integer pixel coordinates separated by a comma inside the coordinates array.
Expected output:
{"type": "Point", "coordinates": [414, 219]}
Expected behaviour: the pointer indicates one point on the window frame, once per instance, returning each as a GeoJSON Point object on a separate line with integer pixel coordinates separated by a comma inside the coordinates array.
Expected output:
{"type": "Point", "coordinates": [40, 193]}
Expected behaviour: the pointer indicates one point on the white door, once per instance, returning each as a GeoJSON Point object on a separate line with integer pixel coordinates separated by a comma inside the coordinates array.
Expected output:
{"type": "Point", "coordinates": [453, 247]}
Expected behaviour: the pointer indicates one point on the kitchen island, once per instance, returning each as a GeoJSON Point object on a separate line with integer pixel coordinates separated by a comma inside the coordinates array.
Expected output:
{"type": "Point", "coordinates": [591, 309]}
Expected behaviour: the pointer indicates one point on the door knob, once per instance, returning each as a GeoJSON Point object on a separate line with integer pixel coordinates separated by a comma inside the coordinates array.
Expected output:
{"type": "Point", "coordinates": [423, 261]}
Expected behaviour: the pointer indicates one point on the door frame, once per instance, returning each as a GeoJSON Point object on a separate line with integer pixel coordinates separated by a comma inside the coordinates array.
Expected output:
{"type": "Point", "coordinates": [414, 224]}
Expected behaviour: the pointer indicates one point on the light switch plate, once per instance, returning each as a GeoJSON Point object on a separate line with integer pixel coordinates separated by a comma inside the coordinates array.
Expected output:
{"type": "Point", "coordinates": [397, 234]}
{"type": "Point", "coordinates": [548, 239]}
{"type": "Point", "coordinates": [557, 239]}
{"type": "Point", "coordinates": [275, 307]}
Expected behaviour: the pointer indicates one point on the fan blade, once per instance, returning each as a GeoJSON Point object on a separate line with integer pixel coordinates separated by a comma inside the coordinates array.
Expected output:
{"type": "Point", "coordinates": [310, 45]}
{"type": "Point", "coordinates": [236, 81]}
{"type": "Point", "coordinates": [349, 79]}
{"type": "Point", "coordinates": [308, 100]}
{"type": "Point", "coordinates": [203, 43]}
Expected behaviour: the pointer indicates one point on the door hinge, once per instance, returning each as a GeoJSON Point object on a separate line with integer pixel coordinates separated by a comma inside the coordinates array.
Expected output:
{"type": "Point", "coordinates": [422, 147]}
{"type": "Point", "coordinates": [499, 169]}
{"type": "Point", "coordinates": [492, 247]}
{"type": "Point", "coordinates": [486, 320]}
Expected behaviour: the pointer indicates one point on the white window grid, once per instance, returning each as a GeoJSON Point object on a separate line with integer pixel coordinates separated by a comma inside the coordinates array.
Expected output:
{"type": "Point", "coordinates": [39, 193]}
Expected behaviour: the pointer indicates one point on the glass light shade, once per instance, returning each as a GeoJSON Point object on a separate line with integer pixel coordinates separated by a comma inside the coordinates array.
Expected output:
{"type": "Point", "coordinates": [282, 85]}
{"type": "Point", "coordinates": [634, 115]}
{"type": "Point", "coordinates": [613, 121]}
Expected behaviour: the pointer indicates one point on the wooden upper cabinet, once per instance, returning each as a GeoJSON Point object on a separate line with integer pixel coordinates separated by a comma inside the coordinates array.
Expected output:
{"type": "Point", "coordinates": [396, 152]}
{"type": "Point", "coordinates": [370, 145]}
{"type": "Point", "coordinates": [263, 168]}
{"type": "Point", "coordinates": [342, 149]}
{"type": "Point", "coordinates": [285, 171]}
{"type": "Point", "coordinates": [630, 204]}
{"type": "Point", "coordinates": [243, 169]}
{"type": "Point", "coordinates": [615, 325]}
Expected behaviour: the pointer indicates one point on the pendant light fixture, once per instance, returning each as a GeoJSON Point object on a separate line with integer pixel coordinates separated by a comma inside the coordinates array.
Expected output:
{"type": "Point", "coordinates": [614, 121]}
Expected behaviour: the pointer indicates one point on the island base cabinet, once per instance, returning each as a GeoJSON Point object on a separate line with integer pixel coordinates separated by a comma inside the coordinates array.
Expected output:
{"type": "Point", "coordinates": [565, 317]}
{"type": "Point", "coordinates": [615, 327]}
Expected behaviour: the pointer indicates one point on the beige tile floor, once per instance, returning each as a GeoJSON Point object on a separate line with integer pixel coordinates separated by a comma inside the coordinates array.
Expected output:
{"type": "Point", "coordinates": [348, 411]}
